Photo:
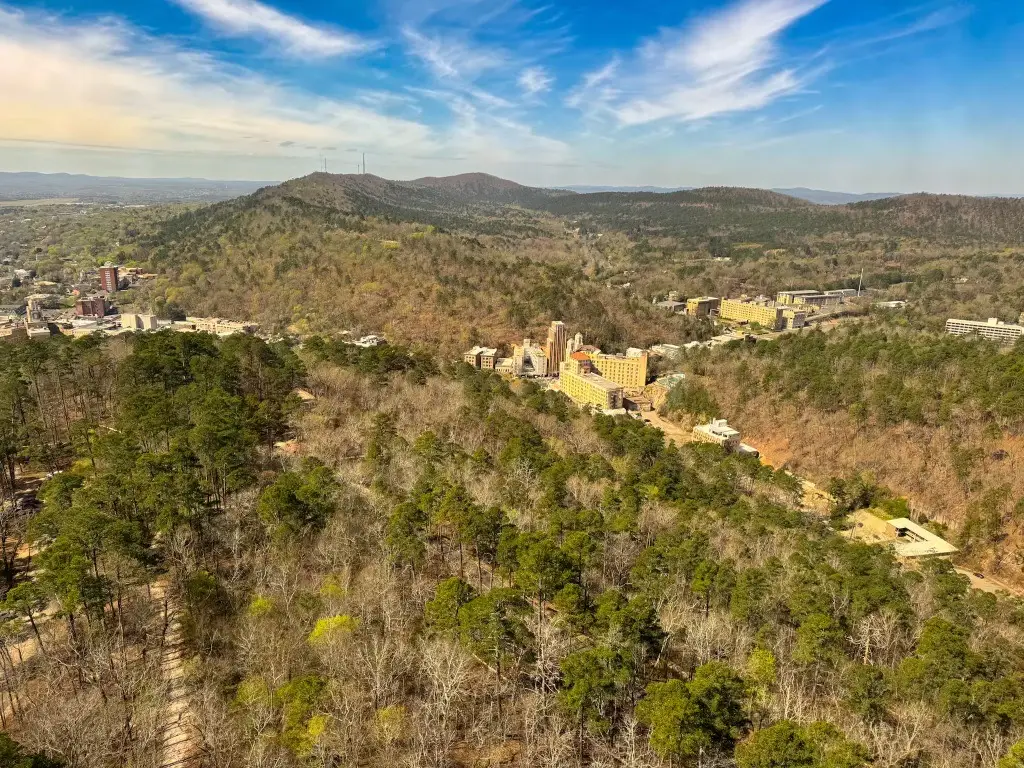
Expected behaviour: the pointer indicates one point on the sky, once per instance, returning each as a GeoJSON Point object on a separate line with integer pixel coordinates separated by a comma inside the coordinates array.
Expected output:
{"type": "Point", "coordinates": [849, 95]}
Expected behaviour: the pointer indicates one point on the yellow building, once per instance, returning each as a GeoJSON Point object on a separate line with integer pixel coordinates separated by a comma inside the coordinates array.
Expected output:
{"type": "Point", "coordinates": [702, 306]}
{"type": "Point", "coordinates": [629, 370]}
{"type": "Point", "coordinates": [584, 387]}
{"type": "Point", "coordinates": [745, 311]}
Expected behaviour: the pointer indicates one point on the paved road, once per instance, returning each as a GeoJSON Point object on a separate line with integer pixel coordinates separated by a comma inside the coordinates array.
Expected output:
{"type": "Point", "coordinates": [989, 584]}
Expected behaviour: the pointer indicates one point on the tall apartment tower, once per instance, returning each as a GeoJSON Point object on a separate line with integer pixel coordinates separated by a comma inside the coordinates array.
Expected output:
{"type": "Point", "coordinates": [557, 337]}
{"type": "Point", "coordinates": [108, 278]}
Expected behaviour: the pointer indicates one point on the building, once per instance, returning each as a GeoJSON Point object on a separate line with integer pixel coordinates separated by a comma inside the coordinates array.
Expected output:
{"type": "Point", "coordinates": [13, 333]}
{"type": "Point", "coordinates": [817, 299]}
{"type": "Point", "coordinates": [907, 538]}
{"type": "Point", "coordinates": [558, 336]}
{"type": "Point", "coordinates": [530, 360]}
{"type": "Point", "coordinates": [373, 340]}
{"type": "Point", "coordinates": [671, 305]}
{"type": "Point", "coordinates": [506, 366]}
{"type": "Point", "coordinates": [215, 326]}
{"type": "Point", "coordinates": [95, 306]}
{"type": "Point", "coordinates": [482, 358]}
{"type": "Point", "coordinates": [580, 384]}
{"type": "Point", "coordinates": [669, 351]}
{"type": "Point", "coordinates": [109, 280]}
{"type": "Point", "coordinates": [746, 311]}
{"type": "Point", "coordinates": [702, 306]}
{"type": "Point", "coordinates": [994, 330]}
{"type": "Point", "coordinates": [718, 432]}
{"type": "Point", "coordinates": [898, 304]}
{"type": "Point", "coordinates": [12, 311]}
{"type": "Point", "coordinates": [794, 318]}
{"type": "Point", "coordinates": [133, 322]}
{"type": "Point", "coordinates": [793, 297]}
{"type": "Point", "coordinates": [628, 371]}
{"type": "Point", "coordinates": [845, 293]}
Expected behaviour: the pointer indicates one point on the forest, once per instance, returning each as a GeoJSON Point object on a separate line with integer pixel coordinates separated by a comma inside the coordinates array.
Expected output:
{"type": "Point", "coordinates": [937, 419]}
{"type": "Point", "coordinates": [429, 566]}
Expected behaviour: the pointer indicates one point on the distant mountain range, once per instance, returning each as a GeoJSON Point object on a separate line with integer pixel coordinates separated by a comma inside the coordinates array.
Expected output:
{"type": "Point", "coordinates": [819, 196]}
{"type": "Point", "coordinates": [467, 187]}
{"type": "Point", "coordinates": [110, 189]}
{"type": "Point", "coordinates": [483, 204]}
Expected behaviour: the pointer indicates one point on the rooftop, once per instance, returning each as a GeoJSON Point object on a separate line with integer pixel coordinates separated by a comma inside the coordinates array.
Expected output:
{"type": "Point", "coordinates": [914, 541]}
{"type": "Point", "coordinates": [719, 428]}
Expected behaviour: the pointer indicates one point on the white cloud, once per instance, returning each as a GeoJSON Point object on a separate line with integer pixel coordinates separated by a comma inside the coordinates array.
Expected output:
{"type": "Point", "coordinates": [251, 18]}
{"type": "Point", "coordinates": [452, 58]}
{"type": "Point", "coordinates": [104, 84]}
{"type": "Point", "coordinates": [105, 88]}
{"type": "Point", "coordinates": [727, 62]}
{"type": "Point", "coordinates": [535, 80]}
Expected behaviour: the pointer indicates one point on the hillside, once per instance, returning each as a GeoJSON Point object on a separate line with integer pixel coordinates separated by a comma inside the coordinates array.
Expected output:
{"type": "Point", "coordinates": [474, 202]}
{"type": "Point", "coordinates": [330, 253]}
{"type": "Point", "coordinates": [428, 567]}
{"type": "Point", "coordinates": [936, 419]}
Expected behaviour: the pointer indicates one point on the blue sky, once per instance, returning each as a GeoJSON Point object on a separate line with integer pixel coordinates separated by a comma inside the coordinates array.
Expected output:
{"type": "Point", "coordinates": [856, 95]}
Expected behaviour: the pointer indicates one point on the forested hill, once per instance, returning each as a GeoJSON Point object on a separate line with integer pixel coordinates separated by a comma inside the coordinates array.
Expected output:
{"type": "Point", "coordinates": [429, 566]}
{"type": "Point", "coordinates": [482, 203]}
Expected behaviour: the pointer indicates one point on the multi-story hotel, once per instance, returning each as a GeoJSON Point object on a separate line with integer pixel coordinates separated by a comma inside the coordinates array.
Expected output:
{"type": "Point", "coordinates": [702, 306]}
{"type": "Point", "coordinates": [583, 386]}
{"type": "Point", "coordinates": [628, 371]}
{"type": "Point", "coordinates": [994, 329]}
{"type": "Point", "coordinates": [739, 310]}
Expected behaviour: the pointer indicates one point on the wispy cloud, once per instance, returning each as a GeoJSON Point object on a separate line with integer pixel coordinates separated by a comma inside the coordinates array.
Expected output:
{"type": "Point", "coordinates": [452, 57]}
{"type": "Point", "coordinates": [730, 61]}
{"type": "Point", "coordinates": [535, 80]}
{"type": "Point", "coordinates": [106, 84]}
{"type": "Point", "coordinates": [492, 53]}
{"type": "Point", "coordinates": [296, 37]}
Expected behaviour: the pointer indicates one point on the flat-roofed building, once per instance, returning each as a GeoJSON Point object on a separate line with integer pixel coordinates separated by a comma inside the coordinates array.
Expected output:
{"type": "Point", "coordinates": [907, 538]}
{"type": "Point", "coordinates": [745, 311]}
{"type": "Point", "coordinates": [530, 360]}
{"type": "Point", "coordinates": [95, 306]}
{"type": "Point", "coordinates": [814, 298]}
{"type": "Point", "coordinates": [109, 279]}
{"type": "Point", "coordinates": [580, 384]}
{"type": "Point", "coordinates": [136, 322]}
{"type": "Point", "coordinates": [718, 432]}
{"type": "Point", "coordinates": [702, 306]}
{"type": "Point", "coordinates": [628, 370]}
{"type": "Point", "coordinates": [994, 329]}
{"type": "Point", "coordinates": [217, 326]}
{"type": "Point", "coordinates": [482, 358]}
{"type": "Point", "coordinates": [794, 318]}
{"type": "Point", "coordinates": [791, 297]}
{"type": "Point", "coordinates": [671, 305]}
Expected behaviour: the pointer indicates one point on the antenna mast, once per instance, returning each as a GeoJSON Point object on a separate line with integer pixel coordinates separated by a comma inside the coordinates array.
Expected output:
{"type": "Point", "coordinates": [364, 162]}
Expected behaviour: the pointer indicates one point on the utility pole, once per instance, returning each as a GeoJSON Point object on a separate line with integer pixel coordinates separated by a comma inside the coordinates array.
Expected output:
{"type": "Point", "coordinates": [861, 283]}
{"type": "Point", "coordinates": [364, 162]}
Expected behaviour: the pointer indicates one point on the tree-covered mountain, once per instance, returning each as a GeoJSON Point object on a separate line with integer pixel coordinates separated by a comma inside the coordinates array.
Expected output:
{"type": "Point", "coordinates": [482, 203]}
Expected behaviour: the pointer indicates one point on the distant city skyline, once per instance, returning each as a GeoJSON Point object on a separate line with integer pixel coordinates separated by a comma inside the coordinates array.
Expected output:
{"type": "Point", "coordinates": [840, 95]}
